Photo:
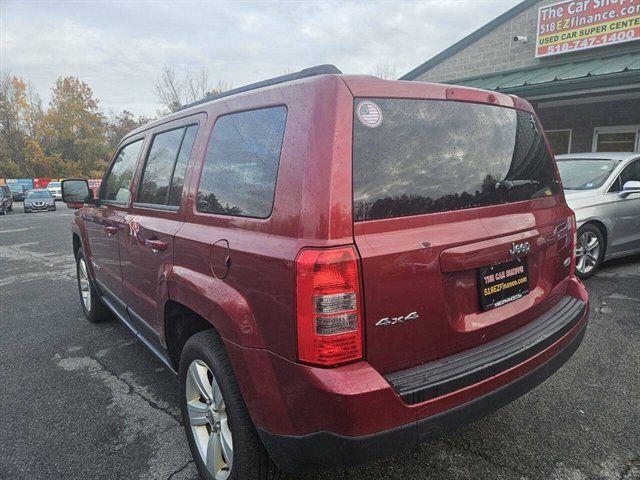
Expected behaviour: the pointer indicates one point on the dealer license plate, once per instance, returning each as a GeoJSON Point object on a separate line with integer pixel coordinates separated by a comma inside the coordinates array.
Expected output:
{"type": "Point", "coordinates": [503, 283]}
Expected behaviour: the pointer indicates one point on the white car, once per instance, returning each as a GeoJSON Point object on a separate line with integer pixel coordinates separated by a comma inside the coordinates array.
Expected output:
{"type": "Point", "coordinates": [603, 189]}
{"type": "Point", "coordinates": [55, 189]}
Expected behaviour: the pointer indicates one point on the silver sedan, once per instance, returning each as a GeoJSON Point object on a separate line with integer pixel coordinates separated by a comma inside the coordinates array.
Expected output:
{"type": "Point", "coordinates": [603, 189]}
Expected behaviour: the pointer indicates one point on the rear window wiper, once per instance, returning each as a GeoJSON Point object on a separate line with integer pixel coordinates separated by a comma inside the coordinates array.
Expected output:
{"type": "Point", "coordinates": [509, 184]}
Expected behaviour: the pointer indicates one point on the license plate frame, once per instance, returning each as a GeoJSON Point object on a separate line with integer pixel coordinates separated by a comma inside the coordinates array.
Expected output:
{"type": "Point", "coordinates": [503, 283]}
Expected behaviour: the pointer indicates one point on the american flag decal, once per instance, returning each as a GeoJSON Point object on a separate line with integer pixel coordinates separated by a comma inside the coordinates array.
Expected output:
{"type": "Point", "coordinates": [369, 114]}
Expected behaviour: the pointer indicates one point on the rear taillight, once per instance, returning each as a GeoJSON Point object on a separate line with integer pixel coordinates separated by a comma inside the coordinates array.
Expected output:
{"type": "Point", "coordinates": [328, 306]}
{"type": "Point", "coordinates": [573, 234]}
{"type": "Point", "coordinates": [565, 235]}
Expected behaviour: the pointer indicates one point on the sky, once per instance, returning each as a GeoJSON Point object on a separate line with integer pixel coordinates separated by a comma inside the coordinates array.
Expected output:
{"type": "Point", "coordinates": [120, 47]}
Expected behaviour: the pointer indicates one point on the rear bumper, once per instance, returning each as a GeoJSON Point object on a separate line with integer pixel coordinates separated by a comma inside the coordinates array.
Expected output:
{"type": "Point", "coordinates": [323, 449]}
{"type": "Point", "coordinates": [310, 418]}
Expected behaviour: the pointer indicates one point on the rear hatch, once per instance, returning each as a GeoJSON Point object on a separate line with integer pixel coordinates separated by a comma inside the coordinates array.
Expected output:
{"type": "Point", "coordinates": [460, 224]}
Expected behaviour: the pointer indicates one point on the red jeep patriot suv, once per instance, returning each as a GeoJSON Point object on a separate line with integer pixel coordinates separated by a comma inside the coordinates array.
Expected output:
{"type": "Point", "coordinates": [337, 267]}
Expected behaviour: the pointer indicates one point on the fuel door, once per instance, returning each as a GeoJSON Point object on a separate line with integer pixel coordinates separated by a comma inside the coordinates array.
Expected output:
{"type": "Point", "coordinates": [220, 259]}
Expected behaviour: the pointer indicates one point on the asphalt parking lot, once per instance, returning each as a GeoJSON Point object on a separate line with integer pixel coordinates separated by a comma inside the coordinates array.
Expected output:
{"type": "Point", "coordinates": [85, 401]}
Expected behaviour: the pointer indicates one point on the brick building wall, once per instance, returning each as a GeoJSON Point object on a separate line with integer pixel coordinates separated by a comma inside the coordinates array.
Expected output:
{"type": "Point", "coordinates": [582, 119]}
{"type": "Point", "coordinates": [497, 52]}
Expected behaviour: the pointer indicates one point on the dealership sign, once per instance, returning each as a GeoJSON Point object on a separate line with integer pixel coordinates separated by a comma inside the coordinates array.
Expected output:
{"type": "Point", "coordinates": [574, 25]}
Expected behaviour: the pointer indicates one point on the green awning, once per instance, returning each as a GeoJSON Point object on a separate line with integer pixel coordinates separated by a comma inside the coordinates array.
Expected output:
{"type": "Point", "coordinates": [563, 77]}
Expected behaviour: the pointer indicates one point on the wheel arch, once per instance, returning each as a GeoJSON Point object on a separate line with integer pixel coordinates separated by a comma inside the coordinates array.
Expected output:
{"type": "Point", "coordinates": [77, 243]}
{"type": "Point", "coordinates": [180, 324]}
{"type": "Point", "coordinates": [600, 225]}
{"type": "Point", "coordinates": [214, 300]}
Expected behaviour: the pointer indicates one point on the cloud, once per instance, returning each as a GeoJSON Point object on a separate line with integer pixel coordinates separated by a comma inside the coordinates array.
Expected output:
{"type": "Point", "coordinates": [120, 47]}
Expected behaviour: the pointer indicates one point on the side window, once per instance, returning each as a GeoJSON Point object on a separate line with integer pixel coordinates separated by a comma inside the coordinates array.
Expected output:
{"type": "Point", "coordinates": [615, 186]}
{"type": "Point", "coordinates": [163, 175]}
{"type": "Point", "coordinates": [240, 169]}
{"type": "Point", "coordinates": [631, 172]}
{"type": "Point", "coordinates": [118, 182]}
{"type": "Point", "coordinates": [177, 183]}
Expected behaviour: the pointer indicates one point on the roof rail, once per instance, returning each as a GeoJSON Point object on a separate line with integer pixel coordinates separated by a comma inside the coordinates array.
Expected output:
{"type": "Point", "coordinates": [307, 72]}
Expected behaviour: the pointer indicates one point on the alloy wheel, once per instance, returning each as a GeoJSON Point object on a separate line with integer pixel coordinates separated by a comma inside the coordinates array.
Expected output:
{"type": "Point", "coordinates": [83, 281]}
{"type": "Point", "coordinates": [208, 420]}
{"type": "Point", "coordinates": [587, 252]}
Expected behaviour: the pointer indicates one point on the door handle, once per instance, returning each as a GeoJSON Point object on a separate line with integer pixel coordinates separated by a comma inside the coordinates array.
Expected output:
{"type": "Point", "coordinates": [156, 245]}
{"type": "Point", "coordinates": [111, 230]}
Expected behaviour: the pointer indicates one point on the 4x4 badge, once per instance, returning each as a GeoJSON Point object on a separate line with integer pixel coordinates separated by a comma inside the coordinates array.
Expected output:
{"type": "Point", "coordinates": [385, 322]}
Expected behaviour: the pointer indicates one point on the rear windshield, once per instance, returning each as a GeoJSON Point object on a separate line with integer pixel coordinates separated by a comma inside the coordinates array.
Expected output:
{"type": "Point", "coordinates": [412, 157]}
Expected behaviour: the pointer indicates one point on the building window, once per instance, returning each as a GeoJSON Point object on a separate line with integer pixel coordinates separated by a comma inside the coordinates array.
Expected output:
{"type": "Point", "coordinates": [560, 141]}
{"type": "Point", "coordinates": [625, 138]}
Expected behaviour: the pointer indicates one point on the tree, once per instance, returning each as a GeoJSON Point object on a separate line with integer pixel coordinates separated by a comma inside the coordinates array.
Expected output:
{"type": "Point", "coordinates": [386, 71]}
{"type": "Point", "coordinates": [220, 87]}
{"type": "Point", "coordinates": [12, 138]}
{"type": "Point", "coordinates": [34, 112]}
{"type": "Point", "coordinates": [118, 125]}
{"type": "Point", "coordinates": [21, 116]}
{"type": "Point", "coordinates": [36, 164]}
{"type": "Point", "coordinates": [73, 128]}
{"type": "Point", "coordinates": [174, 92]}
{"type": "Point", "coordinates": [169, 89]}
{"type": "Point", "coordinates": [9, 168]}
{"type": "Point", "coordinates": [196, 85]}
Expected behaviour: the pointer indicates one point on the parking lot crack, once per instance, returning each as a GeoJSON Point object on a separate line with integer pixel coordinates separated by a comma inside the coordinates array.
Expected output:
{"type": "Point", "coordinates": [138, 418]}
{"type": "Point", "coordinates": [21, 251]}
{"type": "Point", "coordinates": [181, 469]}
{"type": "Point", "coordinates": [133, 390]}
{"type": "Point", "coordinates": [630, 468]}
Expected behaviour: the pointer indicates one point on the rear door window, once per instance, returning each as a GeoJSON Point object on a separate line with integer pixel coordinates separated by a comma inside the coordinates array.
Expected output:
{"type": "Point", "coordinates": [177, 182]}
{"type": "Point", "coordinates": [164, 170]}
{"type": "Point", "coordinates": [241, 166]}
{"type": "Point", "coordinates": [413, 157]}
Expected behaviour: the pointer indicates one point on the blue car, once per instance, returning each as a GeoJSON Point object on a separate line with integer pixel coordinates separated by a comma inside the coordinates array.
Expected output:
{"type": "Point", "coordinates": [18, 191]}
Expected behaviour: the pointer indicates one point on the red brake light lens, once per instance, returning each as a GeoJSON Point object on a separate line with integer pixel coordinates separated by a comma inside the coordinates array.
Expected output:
{"type": "Point", "coordinates": [328, 306]}
{"type": "Point", "coordinates": [573, 231]}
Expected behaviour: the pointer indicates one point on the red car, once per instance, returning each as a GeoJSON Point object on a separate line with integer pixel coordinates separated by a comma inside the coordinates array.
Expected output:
{"type": "Point", "coordinates": [337, 267]}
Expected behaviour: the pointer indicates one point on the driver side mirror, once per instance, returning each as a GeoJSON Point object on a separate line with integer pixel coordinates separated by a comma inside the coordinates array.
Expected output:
{"type": "Point", "coordinates": [632, 186]}
{"type": "Point", "coordinates": [76, 192]}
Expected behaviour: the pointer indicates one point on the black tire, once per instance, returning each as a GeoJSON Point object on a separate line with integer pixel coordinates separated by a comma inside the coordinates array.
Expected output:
{"type": "Point", "coordinates": [3, 209]}
{"type": "Point", "coordinates": [97, 312]}
{"type": "Point", "coordinates": [250, 459]}
{"type": "Point", "coordinates": [593, 231]}
{"type": "Point", "coordinates": [10, 207]}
